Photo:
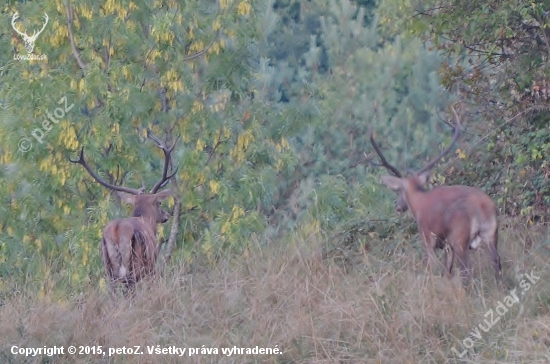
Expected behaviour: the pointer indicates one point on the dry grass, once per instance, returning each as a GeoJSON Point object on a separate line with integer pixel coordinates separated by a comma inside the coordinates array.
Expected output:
{"type": "Point", "coordinates": [373, 309]}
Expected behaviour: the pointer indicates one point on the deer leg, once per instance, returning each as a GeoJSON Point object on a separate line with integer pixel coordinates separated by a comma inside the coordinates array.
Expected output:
{"type": "Point", "coordinates": [430, 242]}
{"type": "Point", "coordinates": [492, 240]}
{"type": "Point", "coordinates": [111, 277]}
{"type": "Point", "coordinates": [449, 258]}
{"type": "Point", "coordinates": [130, 291]}
{"type": "Point", "coordinates": [112, 288]}
{"type": "Point", "coordinates": [112, 285]}
{"type": "Point", "coordinates": [462, 256]}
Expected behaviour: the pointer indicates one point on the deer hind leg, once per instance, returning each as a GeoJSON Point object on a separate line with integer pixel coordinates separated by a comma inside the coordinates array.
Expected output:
{"type": "Point", "coordinates": [430, 241]}
{"type": "Point", "coordinates": [125, 251]}
{"type": "Point", "coordinates": [490, 236]}
{"type": "Point", "coordinates": [461, 254]}
{"type": "Point", "coordinates": [449, 259]}
{"type": "Point", "coordinates": [108, 268]}
{"type": "Point", "coordinates": [460, 240]}
{"type": "Point", "coordinates": [136, 263]}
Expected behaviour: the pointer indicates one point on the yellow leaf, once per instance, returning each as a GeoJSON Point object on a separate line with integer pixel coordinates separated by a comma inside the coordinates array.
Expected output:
{"type": "Point", "coordinates": [224, 4]}
{"type": "Point", "coordinates": [243, 8]}
{"type": "Point", "coordinates": [214, 186]}
{"type": "Point", "coordinates": [196, 46]}
{"type": "Point", "coordinates": [217, 24]}
{"type": "Point", "coordinates": [200, 145]}
{"type": "Point", "coordinates": [225, 227]}
{"type": "Point", "coordinates": [171, 201]}
{"type": "Point", "coordinates": [238, 211]}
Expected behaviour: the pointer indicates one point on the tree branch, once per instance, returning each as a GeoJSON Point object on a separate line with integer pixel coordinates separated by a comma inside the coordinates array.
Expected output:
{"type": "Point", "coordinates": [199, 53]}
{"type": "Point", "coordinates": [76, 55]}
{"type": "Point", "coordinates": [170, 245]}
{"type": "Point", "coordinates": [108, 56]}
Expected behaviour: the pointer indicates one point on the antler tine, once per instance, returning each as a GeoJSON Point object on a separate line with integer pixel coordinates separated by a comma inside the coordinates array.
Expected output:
{"type": "Point", "coordinates": [13, 19]}
{"type": "Point", "coordinates": [43, 26]}
{"type": "Point", "coordinates": [167, 161]}
{"type": "Point", "coordinates": [432, 163]}
{"type": "Point", "coordinates": [385, 163]}
{"type": "Point", "coordinates": [82, 161]}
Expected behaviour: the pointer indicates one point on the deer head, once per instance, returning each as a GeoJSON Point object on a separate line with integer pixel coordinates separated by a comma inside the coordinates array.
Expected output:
{"type": "Point", "coordinates": [415, 179]}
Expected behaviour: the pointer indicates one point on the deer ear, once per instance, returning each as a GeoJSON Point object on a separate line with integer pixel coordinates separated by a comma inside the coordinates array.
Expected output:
{"type": "Point", "coordinates": [392, 182]}
{"type": "Point", "coordinates": [162, 195]}
{"type": "Point", "coordinates": [424, 177]}
{"type": "Point", "coordinates": [126, 197]}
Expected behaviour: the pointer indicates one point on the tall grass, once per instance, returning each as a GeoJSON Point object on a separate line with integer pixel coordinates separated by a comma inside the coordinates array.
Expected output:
{"type": "Point", "coordinates": [304, 299]}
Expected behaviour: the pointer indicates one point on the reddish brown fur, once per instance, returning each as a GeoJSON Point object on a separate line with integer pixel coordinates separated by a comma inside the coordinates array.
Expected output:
{"type": "Point", "coordinates": [129, 247]}
{"type": "Point", "coordinates": [454, 218]}
{"type": "Point", "coordinates": [459, 216]}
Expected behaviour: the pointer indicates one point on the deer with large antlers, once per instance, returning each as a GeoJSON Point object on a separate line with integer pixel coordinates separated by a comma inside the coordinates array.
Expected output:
{"type": "Point", "coordinates": [129, 246]}
{"type": "Point", "coordinates": [453, 218]}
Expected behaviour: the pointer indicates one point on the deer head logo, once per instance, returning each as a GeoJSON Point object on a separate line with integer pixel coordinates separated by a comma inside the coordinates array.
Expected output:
{"type": "Point", "coordinates": [29, 40]}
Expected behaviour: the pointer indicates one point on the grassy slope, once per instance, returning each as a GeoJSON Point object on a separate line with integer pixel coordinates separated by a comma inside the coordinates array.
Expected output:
{"type": "Point", "coordinates": [371, 309]}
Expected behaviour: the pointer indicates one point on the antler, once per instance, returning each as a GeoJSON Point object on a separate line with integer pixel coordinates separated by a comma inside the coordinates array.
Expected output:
{"type": "Point", "coordinates": [432, 163]}
{"type": "Point", "coordinates": [44, 26]}
{"type": "Point", "coordinates": [13, 19]}
{"type": "Point", "coordinates": [167, 161]}
{"type": "Point", "coordinates": [385, 163]}
{"type": "Point", "coordinates": [82, 161]}
{"type": "Point", "coordinates": [34, 34]}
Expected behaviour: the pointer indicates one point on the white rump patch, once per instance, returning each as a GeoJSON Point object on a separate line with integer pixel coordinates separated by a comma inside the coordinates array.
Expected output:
{"type": "Point", "coordinates": [475, 243]}
{"type": "Point", "coordinates": [121, 271]}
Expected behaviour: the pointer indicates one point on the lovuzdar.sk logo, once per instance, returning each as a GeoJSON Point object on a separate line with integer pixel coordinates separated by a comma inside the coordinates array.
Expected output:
{"type": "Point", "coordinates": [29, 40]}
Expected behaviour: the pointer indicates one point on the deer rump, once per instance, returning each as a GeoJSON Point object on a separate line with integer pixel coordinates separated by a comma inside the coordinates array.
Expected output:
{"type": "Point", "coordinates": [463, 211]}
{"type": "Point", "coordinates": [129, 250]}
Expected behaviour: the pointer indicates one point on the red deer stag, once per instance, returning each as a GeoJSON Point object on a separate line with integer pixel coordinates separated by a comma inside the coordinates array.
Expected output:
{"type": "Point", "coordinates": [129, 246]}
{"type": "Point", "coordinates": [454, 218]}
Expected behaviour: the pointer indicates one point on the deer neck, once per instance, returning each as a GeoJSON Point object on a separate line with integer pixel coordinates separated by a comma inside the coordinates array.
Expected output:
{"type": "Point", "coordinates": [149, 220]}
{"type": "Point", "coordinates": [415, 194]}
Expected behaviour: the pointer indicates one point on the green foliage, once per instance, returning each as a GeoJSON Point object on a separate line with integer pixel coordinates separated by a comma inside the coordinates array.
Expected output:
{"type": "Point", "coordinates": [499, 63]}
{"type": "Point", "coordinates": [274, 103]}
{"type": "Point", "coordinates": [391, 86]}
{"type": "Point", "coordinates": [386, 84]}
{"type": "Point", "coordinates": [180, 68]}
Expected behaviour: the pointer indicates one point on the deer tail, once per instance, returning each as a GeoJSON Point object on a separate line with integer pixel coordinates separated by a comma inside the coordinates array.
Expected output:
{"type": "Point", "coordinates": [119, 251]}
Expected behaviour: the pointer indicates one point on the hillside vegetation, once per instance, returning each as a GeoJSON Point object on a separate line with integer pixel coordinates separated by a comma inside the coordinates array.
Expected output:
{"type": "Point", "coordinates": [316, 302]}
{"type": "Point", "coordinates": [283, 235]}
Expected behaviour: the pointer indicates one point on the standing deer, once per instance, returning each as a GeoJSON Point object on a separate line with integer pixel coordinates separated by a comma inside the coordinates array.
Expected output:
{"type": "Point", "coordinates": [454, 218]}
{"type": "Point", "coordinates": [129, 246]}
